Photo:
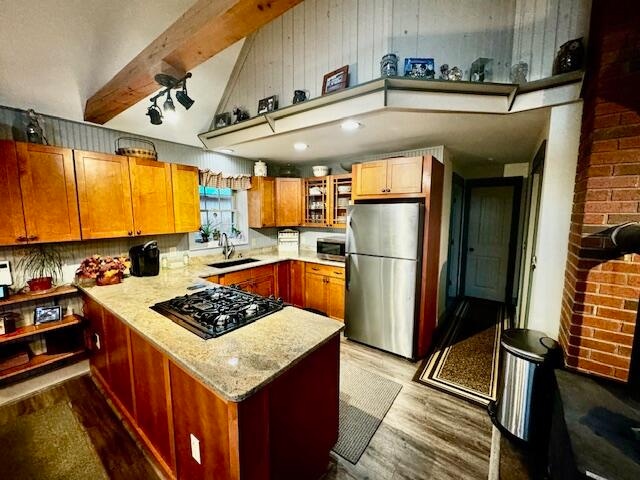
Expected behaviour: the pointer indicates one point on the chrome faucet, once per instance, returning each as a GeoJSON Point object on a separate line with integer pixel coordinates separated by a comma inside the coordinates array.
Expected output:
{"type": "Point", "coordinates": [227, 247]}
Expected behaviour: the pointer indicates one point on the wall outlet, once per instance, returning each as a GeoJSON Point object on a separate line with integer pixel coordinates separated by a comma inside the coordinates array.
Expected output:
{"type": "Point", "coordinates": [195, 448]}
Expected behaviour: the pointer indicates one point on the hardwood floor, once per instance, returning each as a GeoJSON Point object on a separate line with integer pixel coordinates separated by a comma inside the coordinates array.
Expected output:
{"type": "Point", "coordinates": [426, 434]}
{"type": "Point", "coordinates": [119, 453]}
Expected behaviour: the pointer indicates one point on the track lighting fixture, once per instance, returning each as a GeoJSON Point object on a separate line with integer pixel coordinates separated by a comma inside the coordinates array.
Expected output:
{"type": "Point", "coordinates": [169, 82]}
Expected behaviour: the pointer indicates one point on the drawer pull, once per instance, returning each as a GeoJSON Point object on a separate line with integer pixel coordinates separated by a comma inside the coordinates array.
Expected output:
{"type": "Point", "coordinates": [315, 268]}
{"type": "Point", "coordinates": [33, 237]}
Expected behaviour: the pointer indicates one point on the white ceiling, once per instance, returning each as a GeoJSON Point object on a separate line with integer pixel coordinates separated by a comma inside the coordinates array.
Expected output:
{"type": "Point", "coordinates": [54, 54]}
{"type": "Point", "coordinates": [472, 138]}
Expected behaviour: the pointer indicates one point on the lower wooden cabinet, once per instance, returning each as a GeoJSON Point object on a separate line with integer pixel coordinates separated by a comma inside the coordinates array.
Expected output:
{"type": "Point", "coordinates": [324, 289]}
{"type": "Point", "coordinates": [296, 284]}
{"type": "Point", "coordinates": [118, 349]}
{"type": "Point", "coordinates": [259, 280]}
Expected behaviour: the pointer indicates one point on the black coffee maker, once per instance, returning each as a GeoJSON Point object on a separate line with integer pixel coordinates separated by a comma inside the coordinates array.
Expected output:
{"type": "Point", "coordinates": [145, 259]}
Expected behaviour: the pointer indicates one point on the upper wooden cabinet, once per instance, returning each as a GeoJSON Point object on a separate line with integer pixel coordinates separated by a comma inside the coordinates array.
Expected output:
{"type": "Point", "coordinates": [42, 205]}
{"type": "Point", "coordinates": [152, 195]}
{"type": "Point", "coordinates": [288, 202]}
{"type": "Point", "coordinates": [262, 202]}
{"type": "Point", "coordinates": [394, 176]}
{"type": "Point", "coordinates": [104, 195]}
{"type": "Point", "coordinates": [186, 198]}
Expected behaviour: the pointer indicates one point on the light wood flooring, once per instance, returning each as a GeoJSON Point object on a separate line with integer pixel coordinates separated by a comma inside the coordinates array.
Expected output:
{"type": "Point", "coordinates": [425, 435]}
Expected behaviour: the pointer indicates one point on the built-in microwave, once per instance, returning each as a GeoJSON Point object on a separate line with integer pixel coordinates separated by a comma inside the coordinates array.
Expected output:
{"type": "Point", "coordinates": [331, 248]}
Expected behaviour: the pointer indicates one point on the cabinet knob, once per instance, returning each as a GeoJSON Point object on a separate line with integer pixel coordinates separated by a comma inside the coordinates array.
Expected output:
{"type": "Point", "coordinates": [130, 233]}
{"type": "Point", "coordinates": [138, 232]}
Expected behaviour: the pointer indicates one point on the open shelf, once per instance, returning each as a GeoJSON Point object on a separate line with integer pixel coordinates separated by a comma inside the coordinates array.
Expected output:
{"type": "Point", "coordinates": [39, 361]}
{"type": "Point", "coordinates": [30, 330]}
{"type": "Point", "coordinates": [34, 297]}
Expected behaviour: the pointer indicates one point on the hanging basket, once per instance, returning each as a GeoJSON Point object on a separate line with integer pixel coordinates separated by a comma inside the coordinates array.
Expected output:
{"type": "Point", "coordinates": [133, 151]}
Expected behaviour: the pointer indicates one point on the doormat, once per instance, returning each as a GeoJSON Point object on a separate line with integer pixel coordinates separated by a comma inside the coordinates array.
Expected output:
{"type": "Point", "coordinates": [467, 360]}
{"type": "Point", "coordinates": [48, 444]}
{"type": "Point", "coordinates": [365, 399]}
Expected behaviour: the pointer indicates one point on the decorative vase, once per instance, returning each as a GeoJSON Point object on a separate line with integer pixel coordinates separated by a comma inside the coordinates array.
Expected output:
{"type": "Point", "coordinates": [112, 280]}
{"type": "Point", "coordinates": [570, 57]}
{"type": "Point", "coordinates": [260, 169]}
{"type": "Point", "coordinates": [39, 284]}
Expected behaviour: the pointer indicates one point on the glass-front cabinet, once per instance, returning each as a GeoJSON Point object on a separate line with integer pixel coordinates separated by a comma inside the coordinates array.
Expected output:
{"type": "Point", "coordinates": [326, 200]}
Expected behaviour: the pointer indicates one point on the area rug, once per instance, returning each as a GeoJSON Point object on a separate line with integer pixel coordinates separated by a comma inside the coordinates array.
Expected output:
{"type": "Point", "coordinates": [467, 360]}
{"type": "Point", "coordinates": [365, 399]}
{"type": "Point", "coordinates": [48, 444]}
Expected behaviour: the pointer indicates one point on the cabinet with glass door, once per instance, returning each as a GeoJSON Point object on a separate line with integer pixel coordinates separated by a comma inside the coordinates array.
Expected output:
{"type": "Point", "coordinates": [316, 213]}
{"type": "Point", "coordinates": [340, 194]}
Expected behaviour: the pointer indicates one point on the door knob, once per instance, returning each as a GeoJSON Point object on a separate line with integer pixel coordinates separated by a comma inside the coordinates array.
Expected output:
{"type": "Point", "coordinates": [472, 249]}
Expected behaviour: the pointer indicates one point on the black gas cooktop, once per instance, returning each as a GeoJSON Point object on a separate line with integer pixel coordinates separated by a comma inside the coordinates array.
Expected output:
{"type": "Point", "coordinates": [216, 311]}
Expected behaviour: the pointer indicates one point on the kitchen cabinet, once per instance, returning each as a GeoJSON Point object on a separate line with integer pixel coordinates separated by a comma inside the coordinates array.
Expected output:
{"type": "Point", "coordinates": [296, 283]}
{"type": "Point", "coordinates": [99, 362]}
{"type": "Point", "coordinates": [152, 397]}
{"type": "Point", "coordinates": [185, 181]}
{"type": "Point", "coordinates": [261, 198]}
{"type": "Point", "coordinates": [326, 200]}
{"type": "Point", "coordinates": [390, 177]}
{"type": "Point", "coordinates": [118, 350]}
{"type": "Point", "coordinates": [288, 202]}
{"type": "Point", "coordinates": [104, 195]}
{"type": "Point", "coordinates": [260, 280]}
{"type": "Point", "coordinates": [340, 196]}
{"type": "Point", "coordinates": [152, 195]}
{"type": "Point", "coordinates": [42, 205]}
{"type": "Point", "coordinates": [324, 289]}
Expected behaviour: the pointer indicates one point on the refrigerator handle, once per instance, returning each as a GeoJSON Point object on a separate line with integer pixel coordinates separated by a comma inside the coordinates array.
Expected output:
{"type": "Point", "coordinates": [347, 270]}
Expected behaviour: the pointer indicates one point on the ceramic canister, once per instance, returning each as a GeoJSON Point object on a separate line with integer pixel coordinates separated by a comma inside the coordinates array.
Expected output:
{"type": "Point", "coordinates": [260, 169]}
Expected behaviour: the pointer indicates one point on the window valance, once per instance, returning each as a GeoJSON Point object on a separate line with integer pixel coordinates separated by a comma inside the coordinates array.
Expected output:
{"type": "Point", "coordinates": [209, 178]}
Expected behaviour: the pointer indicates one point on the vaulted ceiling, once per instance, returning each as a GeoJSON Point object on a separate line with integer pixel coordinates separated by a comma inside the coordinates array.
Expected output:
{"type": "Point", "coordinates": [54, 54]}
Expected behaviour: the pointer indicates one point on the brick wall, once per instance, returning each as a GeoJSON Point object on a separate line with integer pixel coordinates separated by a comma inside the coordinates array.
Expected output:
{"type": "Point", "coordinates": [600, 302]}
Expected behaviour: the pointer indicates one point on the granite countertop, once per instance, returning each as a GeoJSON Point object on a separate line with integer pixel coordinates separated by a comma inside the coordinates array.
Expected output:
{"type": "Point", "coordinates": [234, 365]}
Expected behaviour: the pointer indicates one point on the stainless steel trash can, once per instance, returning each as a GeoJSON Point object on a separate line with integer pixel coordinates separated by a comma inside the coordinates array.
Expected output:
{"type": "Point", "coordinates": [526, 381]}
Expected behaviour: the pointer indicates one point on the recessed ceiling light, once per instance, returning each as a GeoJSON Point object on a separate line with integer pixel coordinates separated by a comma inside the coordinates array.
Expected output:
{"type": "Point", "coordinates": [350, 125]}
{"type": "Point", "coordinates": [225, 150]}
{"type": "Point", "coordinates": [301, 147]}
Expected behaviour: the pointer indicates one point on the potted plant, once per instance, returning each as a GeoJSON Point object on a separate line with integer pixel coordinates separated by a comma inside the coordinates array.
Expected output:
{"type": "Point", "coordinates": [43, 265]}
{"type": "Point", "coordinates": [105, 270]}
{"type": "Point", "coordinates": [205, 232]}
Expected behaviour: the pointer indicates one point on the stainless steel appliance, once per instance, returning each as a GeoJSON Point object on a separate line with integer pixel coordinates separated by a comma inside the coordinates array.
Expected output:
{"type": "Point", "coordinates": [216, 311]}
{"type": "Point", "coordinates": [331, 248]}
{"type": "Point", "coordinates": [383, 264]}
{"type": "Point", "coordinates": [145, 259]}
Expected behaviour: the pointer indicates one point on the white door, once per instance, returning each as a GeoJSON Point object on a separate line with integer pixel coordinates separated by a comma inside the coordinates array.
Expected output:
{"type": "Point", "coordinates": [488, 242]}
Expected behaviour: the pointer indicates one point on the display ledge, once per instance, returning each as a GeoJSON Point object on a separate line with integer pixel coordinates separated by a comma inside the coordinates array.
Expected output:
{"type": "Point", "coordinates": [39, 361]}
{"type": "Point", "coordinates": [30, 330]}
{"type": "Point", "coordinates": [35, 297]}
{"type": "Point", "coordinates": [398, 94]}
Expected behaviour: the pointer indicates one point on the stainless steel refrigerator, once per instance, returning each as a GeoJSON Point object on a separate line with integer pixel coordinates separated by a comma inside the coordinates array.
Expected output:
{"type": "Point", "coordinates": [384, 246]}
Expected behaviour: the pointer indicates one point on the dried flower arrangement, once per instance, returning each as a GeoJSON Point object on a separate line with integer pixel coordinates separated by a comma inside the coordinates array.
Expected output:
{"type": "Point", "coordinates": [105, 270]}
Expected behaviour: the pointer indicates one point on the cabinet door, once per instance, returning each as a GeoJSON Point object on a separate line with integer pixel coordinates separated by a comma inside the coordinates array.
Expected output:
{"type": "Point", "coordinates": [262, 202]}
{"type": "Point", "coordinates": [152, 396]}
{"type": "Point", "coordinates": [12, 227]}
{"type": "Point", "coordinates": [296, 284]}
{"type": "Point", "coordinates": [264, 286]}
{"type": "Point", "coordinates": [93, 313]}
{"type": "Point", "coordinates": [186, 199]}
{"type": "Point", "coordinates": [283, 279]}
{"type": "Point", "coordinates": [288, 202]}
{"type": "Point", "coordinates": [315, 292]}
{"type": "Point", "coordinates": [404, 175]}
{"type": "Point", "coordinates": [152, 196]}
{"type": "Point", "coordinates": [118, 347]}
{"type": "Point", "coordinates": [335, 298]}
{"type": "Point", "coordinates": [370, 178]}
{"type": "Point", "coordinates": [104, 195]}
{"type": "Point", "coordinates": [49, 198]}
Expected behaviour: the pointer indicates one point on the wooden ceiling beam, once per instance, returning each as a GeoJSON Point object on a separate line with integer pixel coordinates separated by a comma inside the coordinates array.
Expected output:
{"type": "Point", "coordinates": [207, 28]}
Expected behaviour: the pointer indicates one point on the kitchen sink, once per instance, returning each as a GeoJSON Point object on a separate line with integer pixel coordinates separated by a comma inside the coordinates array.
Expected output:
{"type": "Point", "coordinates": [233, 263]}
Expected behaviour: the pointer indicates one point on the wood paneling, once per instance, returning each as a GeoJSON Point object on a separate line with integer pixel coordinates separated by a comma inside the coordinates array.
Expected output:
{"type": "Point", "coordinates": [153, 398]}
{"type": "Point", "coordinates": [288, 202]}
{"type": "Point", "coordinates": [48, 186]}
{"type": "Point", "coordinates": [152, 196]}
{"type": "Point", "coordinates": [262, 202]}
{"type": "Point", "coordinates": [198, 412]}
{"type": "Point", "coordinates": [104, 195]}
{"type": "Point", "coordinates": [12, 226]}
{"type": "Point", "coordinates": [186, 199]}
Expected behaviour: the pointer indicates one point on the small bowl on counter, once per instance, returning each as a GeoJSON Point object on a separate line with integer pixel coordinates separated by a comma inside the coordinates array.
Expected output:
{"type": "Point", "coordinates": [320, 170]}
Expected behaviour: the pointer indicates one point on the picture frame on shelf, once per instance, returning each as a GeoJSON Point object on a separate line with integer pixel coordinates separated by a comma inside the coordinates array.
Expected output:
{"type": "Point", "coordinates": [268, 104]}
{"type": "Point", "coordinates": [47, 314]}
{"type": "Point", "coordinates": [222, 120]}
{"type": "Point", "coordinates": [336, 80]}
{"type": "Point", "coordinates": [420, 68]}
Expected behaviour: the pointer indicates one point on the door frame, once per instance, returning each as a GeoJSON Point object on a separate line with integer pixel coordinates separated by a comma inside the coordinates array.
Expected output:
{"type": "Point", "coordinates": [516, 183]}
{"type": "Point", "coordinates": [455, 277]}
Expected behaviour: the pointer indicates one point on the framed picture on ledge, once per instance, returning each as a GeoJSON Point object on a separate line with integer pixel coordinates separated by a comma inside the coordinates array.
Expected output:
{"type": "Point", "coordinates": [336, 80]}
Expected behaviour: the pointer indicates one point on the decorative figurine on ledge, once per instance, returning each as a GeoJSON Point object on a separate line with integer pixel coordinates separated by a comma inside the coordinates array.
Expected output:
{"type": "Point", "coordinates": [519, 73]}
{"type": "Point", "coordinates": [240, 115]}
{"type": "Point", "coordinates": [570, 57]}
{"type": "Point", "coordinates": [34, 131]}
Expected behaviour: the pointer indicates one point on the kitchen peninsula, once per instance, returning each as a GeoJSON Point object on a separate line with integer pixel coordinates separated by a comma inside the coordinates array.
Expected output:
{"type": "Point", "coordinates": [258, 402]}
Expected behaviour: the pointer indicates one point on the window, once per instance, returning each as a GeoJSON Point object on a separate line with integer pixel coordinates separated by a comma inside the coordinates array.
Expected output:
{"type": "Point", "coordinates": [222, 210]}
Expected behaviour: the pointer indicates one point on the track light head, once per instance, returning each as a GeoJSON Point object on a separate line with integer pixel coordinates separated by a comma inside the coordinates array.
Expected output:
{"type": "Point", "coordinates": [155, 114]}
{"type": "Point", "coordinates": [184, 99]}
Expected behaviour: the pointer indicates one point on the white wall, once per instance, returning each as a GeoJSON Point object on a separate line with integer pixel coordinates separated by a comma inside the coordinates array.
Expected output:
{"type": "Point", "coordinates": [555, 217]}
